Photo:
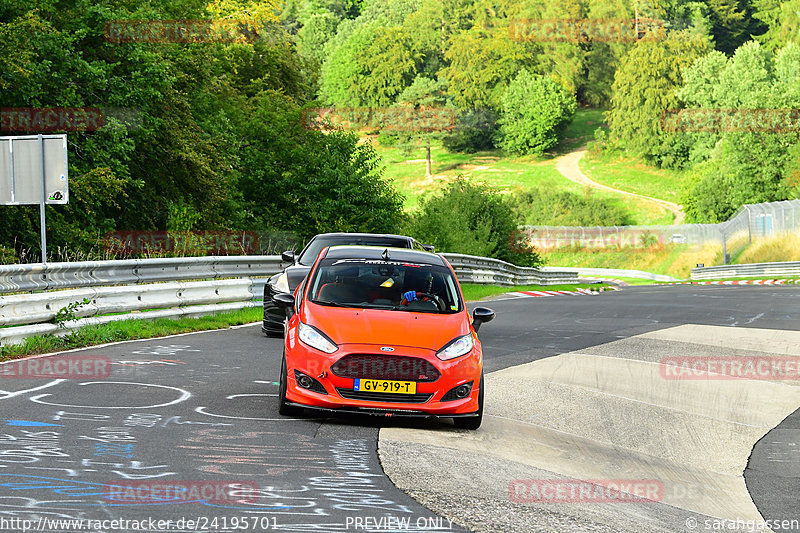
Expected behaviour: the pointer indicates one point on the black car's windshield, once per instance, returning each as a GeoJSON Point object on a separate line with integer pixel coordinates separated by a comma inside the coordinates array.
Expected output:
{"type": "Point", "coordinates": [309, 255]}
{"type": "Point", "coordinates": [395, 285]}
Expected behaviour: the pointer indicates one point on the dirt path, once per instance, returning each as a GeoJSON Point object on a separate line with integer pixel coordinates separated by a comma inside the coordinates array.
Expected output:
{"type": "Point", "coordinates": [568, 166]}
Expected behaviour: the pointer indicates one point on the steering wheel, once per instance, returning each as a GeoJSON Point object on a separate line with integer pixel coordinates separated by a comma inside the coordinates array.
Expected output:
{"type": "Point", "coordinates": [427, 296]}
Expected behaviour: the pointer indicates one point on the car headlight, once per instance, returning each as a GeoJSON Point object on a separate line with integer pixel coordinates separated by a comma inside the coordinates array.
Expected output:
{"type": "Point", "coordinates": [315, 338]}
{"type": "Point", "coordinates": [457, 347]}
{"type": "Point", "coordinates": [282, 282]}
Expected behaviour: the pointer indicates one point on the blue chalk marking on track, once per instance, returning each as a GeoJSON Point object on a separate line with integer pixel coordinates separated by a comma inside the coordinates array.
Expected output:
{"type": "Point", "coordinates": [29, 423]}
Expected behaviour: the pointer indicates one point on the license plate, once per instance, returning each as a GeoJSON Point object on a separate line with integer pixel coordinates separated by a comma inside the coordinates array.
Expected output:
{"type": "Point", "coordinates": [382, 385]}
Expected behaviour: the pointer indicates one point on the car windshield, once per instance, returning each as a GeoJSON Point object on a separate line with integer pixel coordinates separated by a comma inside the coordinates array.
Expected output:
{"type": "Point", "coordinates": [312, 250]}
{"type": "Point", "coordinates": [374, 283]}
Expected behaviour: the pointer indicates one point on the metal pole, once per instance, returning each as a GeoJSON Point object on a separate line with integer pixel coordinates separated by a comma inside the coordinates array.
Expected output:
{"type": "Point", "coordinates": [724, 251]}
{"type": "Point", "coordinates": [749, 231]}
{"type": "Point", "coordinates": [42, 200]}
{"type": "Point", "coordinates": [11, 158]}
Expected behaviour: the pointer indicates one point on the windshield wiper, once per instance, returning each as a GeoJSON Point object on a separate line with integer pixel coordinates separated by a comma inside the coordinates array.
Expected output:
{"type": "Point", "coordinates": [333, 304]}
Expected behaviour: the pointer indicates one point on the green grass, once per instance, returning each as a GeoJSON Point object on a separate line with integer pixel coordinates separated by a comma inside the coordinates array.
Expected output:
{"type": "Point", "coordinates": [675, 260]}
{"type": "Point", "coordinates": [125, 330]}
{"type": "Point", "coordinates": [474, 292]}
{"type": "Point", "coordinates": [407, 171]}
{"type": "Point", "coordinates": [632, 175]}
{"type": "Point", "coordinates": [580, 130]}
{"type": "Point", "coordinates": [504, 172]}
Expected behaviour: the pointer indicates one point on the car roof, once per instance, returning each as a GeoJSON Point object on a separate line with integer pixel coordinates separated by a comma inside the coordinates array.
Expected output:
{"type": "Point", "coordinates": [344, 234]}
{"type": "Point", "coordinates": [376, 252]}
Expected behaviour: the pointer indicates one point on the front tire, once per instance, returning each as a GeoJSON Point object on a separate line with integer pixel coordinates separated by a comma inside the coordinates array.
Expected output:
{"type": "Point", "coordinates": [473, 422]}
{"type": "Point", "coordinates": [283, 407]}
{"type": "Point", "coordinates": [271, 325]}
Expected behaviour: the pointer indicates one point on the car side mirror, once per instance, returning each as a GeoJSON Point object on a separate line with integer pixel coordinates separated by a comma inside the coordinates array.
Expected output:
{"type": "Point", "coordinates": [288, 257]}
{"type": "Point", "coordinates": [286, 302]}
{"type": "Point", "coordinates": [481, 315]}
{"type": "Point", "coordinates": [431, 248]}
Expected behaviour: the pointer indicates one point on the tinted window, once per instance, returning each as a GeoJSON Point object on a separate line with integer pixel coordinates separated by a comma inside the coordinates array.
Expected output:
{"type": "Point", "coordinates": [309, 255]}
{"type": "Point", "coordinates": [382, 284]}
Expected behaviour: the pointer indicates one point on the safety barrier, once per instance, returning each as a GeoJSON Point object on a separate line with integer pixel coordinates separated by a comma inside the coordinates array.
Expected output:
{"type": "Point", "coordinates": [176, 287]}
{"type": "Point", "coordinates": [748, 270]}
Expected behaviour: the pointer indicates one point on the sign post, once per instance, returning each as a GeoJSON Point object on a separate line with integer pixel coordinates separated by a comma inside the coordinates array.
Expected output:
{"type": "Point", "coordinates": [33, 170]}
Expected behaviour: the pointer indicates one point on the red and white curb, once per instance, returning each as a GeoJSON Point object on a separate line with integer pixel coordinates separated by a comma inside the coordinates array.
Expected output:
{"type": "Point", "coordinates": [576, 292]}
{"type": "Point", "coordinates": [739, 282]}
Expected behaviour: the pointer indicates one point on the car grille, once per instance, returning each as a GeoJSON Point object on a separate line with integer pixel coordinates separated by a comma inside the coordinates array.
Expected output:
{"type": "Point", "coordinates": [351, 394]}
{"type": "Point", "coordinates": [379, 366]}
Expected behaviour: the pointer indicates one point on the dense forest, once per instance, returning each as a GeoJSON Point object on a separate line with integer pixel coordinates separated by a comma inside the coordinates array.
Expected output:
{"type": "Point", "coordinates": [220, 141]}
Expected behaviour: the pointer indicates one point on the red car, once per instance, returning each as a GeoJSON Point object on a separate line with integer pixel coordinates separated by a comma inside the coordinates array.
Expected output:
{"type": "Point", "coordinates": [382, 331]}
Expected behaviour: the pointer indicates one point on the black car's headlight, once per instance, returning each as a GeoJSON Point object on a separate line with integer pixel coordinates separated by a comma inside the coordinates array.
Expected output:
{"type": "Point", "coordinates": [457, 347]}
{"type": "Point", "coordinates": [281, 282]}
{"type": "Point", "coordinates": [313, 337]}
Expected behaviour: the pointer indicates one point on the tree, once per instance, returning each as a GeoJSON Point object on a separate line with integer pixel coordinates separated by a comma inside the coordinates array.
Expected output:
{"type": "Point", "coordinates": [370, 68]}
{"type": "Point", "coordinates": [422, 102]}
{"type": "Point", "coordinates": [645, 86]}
{"type": "Point", "coordinates": [782, 19]}
{"type": "Point", "coordinates": [308, 181]}
{"type": "Point", "coordinates": [481, 64]}
{"type": "Point", "coordinates": [740, 167]}
{"type": "Point", "coordinates": [471, 219]}
{"type": "Point", "coordinates": [536, 109]}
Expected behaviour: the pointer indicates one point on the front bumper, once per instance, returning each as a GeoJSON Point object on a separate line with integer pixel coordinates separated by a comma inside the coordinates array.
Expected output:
{"type": "Point", "coordinates": [318, 365]}
{"type": "Point", "coordinates": [274, 317]}
{"type": "Point", "coordinates": [382, 413]}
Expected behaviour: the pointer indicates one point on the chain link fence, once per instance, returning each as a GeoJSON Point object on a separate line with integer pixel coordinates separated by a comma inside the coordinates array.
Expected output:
{"type": "Point", "coordinates": [748, 222]}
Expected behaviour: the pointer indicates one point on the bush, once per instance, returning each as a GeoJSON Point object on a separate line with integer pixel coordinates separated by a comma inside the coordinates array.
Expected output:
{"type": "Point", "coordinates": [471, 219]}
{"type": "Point", "coordinates": [475, 131]}
{"type": "Point", "coordinates": [546, 208]}
{"type": "Point", "coordinates": [8, 256]}
{"type": "Point", "coordinates": [387, 139]}
{"type": "Point", "coordinates": [536, 110]}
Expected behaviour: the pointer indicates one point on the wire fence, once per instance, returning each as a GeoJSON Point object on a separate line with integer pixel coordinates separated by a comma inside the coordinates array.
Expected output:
{"type": "Point", "coordinates": [748, 222]}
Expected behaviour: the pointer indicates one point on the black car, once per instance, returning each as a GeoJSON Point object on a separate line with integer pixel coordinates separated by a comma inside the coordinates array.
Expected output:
{"type": "Point", "coordinates": [288, 280]}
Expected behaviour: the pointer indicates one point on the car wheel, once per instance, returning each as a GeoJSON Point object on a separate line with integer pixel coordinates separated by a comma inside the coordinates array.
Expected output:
{"type": "Point", "coordinates": [473, 422]}
{"type": "Point", "coordinates": [270, 327]}
{"type": "Point", "coordinates": [283, 407]}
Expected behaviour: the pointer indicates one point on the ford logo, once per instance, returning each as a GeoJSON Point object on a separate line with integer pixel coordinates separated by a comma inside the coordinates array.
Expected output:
{"type": "Point", "coordinates": [387, 349]}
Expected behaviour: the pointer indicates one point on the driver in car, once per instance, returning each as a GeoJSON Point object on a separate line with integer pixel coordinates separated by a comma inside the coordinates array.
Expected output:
{"type": "Point", "coordinates": [421, 286]}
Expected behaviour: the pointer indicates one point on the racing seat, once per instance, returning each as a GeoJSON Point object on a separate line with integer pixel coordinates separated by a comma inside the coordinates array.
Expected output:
{"type": "Point", "coordinates": [340, 293]}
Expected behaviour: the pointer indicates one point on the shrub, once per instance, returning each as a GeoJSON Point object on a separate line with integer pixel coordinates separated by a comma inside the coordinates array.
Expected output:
{"type": "Point", "coordinates": [536, 110]}
{"type": "Point", "coordinates": [471, 219]}
{"type": "Point", "coordinates": [475, 131]}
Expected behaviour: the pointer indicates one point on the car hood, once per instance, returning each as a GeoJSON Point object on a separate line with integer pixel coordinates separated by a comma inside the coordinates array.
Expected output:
{"type": "Point", "coordinates": [386, 328]}
{"type": "Point", "coordinates": [295, 275]}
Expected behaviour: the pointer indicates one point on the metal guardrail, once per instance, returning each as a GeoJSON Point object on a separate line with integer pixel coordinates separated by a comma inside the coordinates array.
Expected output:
{"type": "Point", "coordinates": [169, 288]}
{"type": "Point", "coordinates": [749, 270]}
{"type": "Point", "coordinates": [473, 269]}
{"type": "Point", "coordinates": [613, 272]}
{"type": "Point", "coordinates": [39, 277]}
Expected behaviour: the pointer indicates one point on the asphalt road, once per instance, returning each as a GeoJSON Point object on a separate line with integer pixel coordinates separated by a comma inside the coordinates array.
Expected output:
{"type": "Point", "coordinates": [200, 411]}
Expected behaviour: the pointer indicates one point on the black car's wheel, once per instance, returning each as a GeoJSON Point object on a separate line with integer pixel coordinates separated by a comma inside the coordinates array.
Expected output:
{"type": "Point", "coordinates": [283, 407]}
{"type": "Point", "coordinates": [272, 326]}
{"type": "Point", "coordinates": [473, 422]}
